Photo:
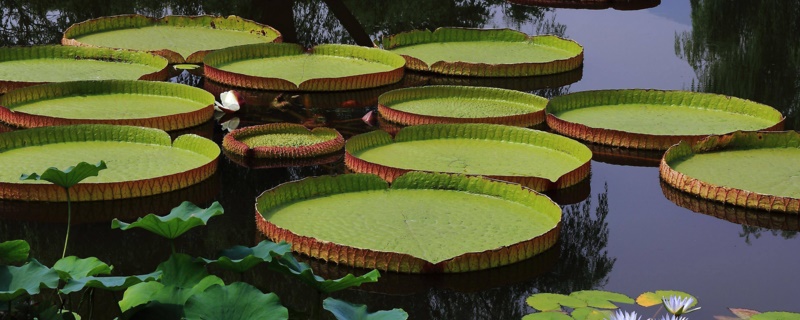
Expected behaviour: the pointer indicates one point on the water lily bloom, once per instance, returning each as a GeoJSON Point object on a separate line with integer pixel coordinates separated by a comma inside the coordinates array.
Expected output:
{"type": "Point", "coordinates": [369, 118]}
{"type": "Point", "coordinates": [230, 102]}
{"type": "Point", "coordinates": [673, 317]}
{"type": "Point", "coordinates": [621, 315]}
{"type": "Point", "coordinates": [678, 306]}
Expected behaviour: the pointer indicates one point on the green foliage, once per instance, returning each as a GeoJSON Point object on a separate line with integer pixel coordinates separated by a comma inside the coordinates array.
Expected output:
{"type": "Point", "coordinates": [241, 258]}
{"type": "Point", "coordinates": [287, 264]}
{"type": "Point", "coordinates": [237, 301]}
{"type": "Point", "coordinates": [69, 176]}
{"type": "Point", "coordinates": [776, 316]}
{"type": "Point", "coordinates": [74, 268]}
{"type": "Point", "coordinates": [343, 310]}
{"type": "Point", "coordinates": [108, 283]}
{"type": "Point", "coordinates": [547, 315]}
{"type": "Point", "coordinates": [177, 222]}
{"type": "Point", "coordinates": [601, 299]}
{"type": "Point", "coordinates": [649, 299]}
{"type": "Point", "coordinates": [29, 278]}
{"type": "Point", "coordinates": [553, 301]}
{"type": "Point", "coordinates": [14, 251]}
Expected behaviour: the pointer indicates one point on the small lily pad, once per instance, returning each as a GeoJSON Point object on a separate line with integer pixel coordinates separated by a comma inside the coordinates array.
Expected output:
{"type": "Point", "coordinates": [601, 299]}
{"type": "Point", "coordinates": [282, 140]}
{"type": "Point", "coordinates": [344, 310]}
{"type": "Point", "coordinates": [237, 301]}
{"type": "Point", "coordinates": [553, 301]}
{"type": "Point", "coordinates": [181, 219]}
{"type": "Point", "coordinates": [586, 313]}
{"type": "Point", "coordinates": [548, 315]}
{"type": "Point", "coordinates": [14, 251]}
{"type": "Point", "coordinates": [72, 267]}
{"type": "Point", "coordinates": [649, 299]}
{"type": "Point", "coordinates": [776, 315]}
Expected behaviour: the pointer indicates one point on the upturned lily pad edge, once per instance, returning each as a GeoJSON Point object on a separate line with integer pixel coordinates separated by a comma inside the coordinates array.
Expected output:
{"type": "Point", "coordinates": [233, 145]}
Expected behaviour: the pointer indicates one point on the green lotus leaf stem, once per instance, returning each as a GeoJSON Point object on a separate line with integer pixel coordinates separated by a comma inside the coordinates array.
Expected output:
{"type": "Point", "coordinates": [108, 283]}
{"type": "Point", "coordinates": [344, 310]}
{"type": "Point", "coordinates": [66, 179]}
{"type": "Point", "coordinates": [14, 251]}
{"type": "Point", "coordinates": [27, 279]}
{"type": "Point", "coordinates": [237, 301]}
{"type": "Point", "coordinates": [241, 258]}
{"type": "Point", "coordinates": [180, 219]}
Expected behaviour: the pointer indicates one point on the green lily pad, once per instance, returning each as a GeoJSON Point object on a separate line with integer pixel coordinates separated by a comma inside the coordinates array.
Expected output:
{"type": "Point", "coordinates": [282, 140]}
{"type": "Point", "coordinates": [655, 119]}
{"type": "Point", "coordinates": [538, 160]}
{"type": "Point", "coordinates": [181, 39]}
{"type": "Point", "coordinates": [237, 301]}
{"type": "Point", "coordinates": [14, 251]}
{"type": "Point", "coordinates": [553, 301]}
{"type": "Point", "coordinates": [586, 313]}
{"type": "Point", "coordinates": [27, 279]}
{"type": "Point", "coordinates": [279, 66]}
{"type": "Point", "coordinates": [179, 220]}
{"type": "Point", "coordinates": [749, 169]}
{"type": "Point", "coordinates": [601, 299]}
{"type": "Point", "coordinates": [485, 53]}
{"type": "Point", "coordinates": [549, 315]}
{"type": "Point", "coordinates": [410, 226]}
{"type": "Point", "coordinates": [455, 104]}
{"type": "Point", "coordinates": [288, 265]}
{"type": "Point", "coordinates": [108, 283]}
{"type": "Point", "coordinates": [73, 267]}
{"type": "Point", "coordinates": [649, 299]}
{"type": "Point", "coordinates": [162, 105]}
{"type": "Point", "coordinates": [142, 161]}
{"type": "Point", "coordinates": [241, 258]}
{"type": "Point", "coordinates": [344, 310]}
{"type": "Point", "coordinates": [776, 315]}
{"type": "Point", "coordinates": [26, 66]}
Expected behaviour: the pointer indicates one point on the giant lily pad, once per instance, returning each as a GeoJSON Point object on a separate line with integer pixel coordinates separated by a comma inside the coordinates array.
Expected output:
{"type": "Point", "coordinates": [162, 105]}
{"type": "Point", "coordinates": [280, 66]}
{"type": "Point", "coordinates": [655, 119]}
{"type": "Point", "coordinates": [455, 104]}
{"type": "Point", "coordinates": [749, 169]}
{"type": "Point", "coordinates": [26, 66]}
{"type": "Point", "coordinates": [282, 140]}
{"type": "Point", "coordinates": [539, 160]}
{"type": "Point", "coordinates": [141, 161]}
{"type": "Point", "coordinates": [181, 39]}
{"type": "Point", "coordinates": [424, 223]}
{"type": "Point", "coordinates": [485, 53]}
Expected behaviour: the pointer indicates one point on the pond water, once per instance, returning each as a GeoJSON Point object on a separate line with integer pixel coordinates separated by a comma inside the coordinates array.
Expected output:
{"type": "Point", "coordinates": [627, 234]}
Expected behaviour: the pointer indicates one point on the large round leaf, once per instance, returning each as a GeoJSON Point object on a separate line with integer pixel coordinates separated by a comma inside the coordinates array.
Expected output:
{"type": "Point", "coordinates": [553, 302]}
{"type": "Point", "coordinates": [423, 223]}
{"type": "Point", "coordinates": [27, 279]}
{"type": "Point", "coordinates": [237, 301]}
{"type": "Point", "coordinates": [14, 251]}
{"type": "Point", "coordinates": [181, 219]}
{"type": "Point", "coordinates": [73, 267]}
{"type": "Point", "coordinates": [601, 299]}
{"type": "Point", "coordinates": [181, 39]}
{"type": "Point", "coordinates": [282, 140]}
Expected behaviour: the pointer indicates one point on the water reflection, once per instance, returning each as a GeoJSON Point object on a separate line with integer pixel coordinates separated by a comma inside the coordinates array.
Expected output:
{"type": "Point", "coordinates": [747, 49]}
{"type": "Point", "coordinates": [591, 4]}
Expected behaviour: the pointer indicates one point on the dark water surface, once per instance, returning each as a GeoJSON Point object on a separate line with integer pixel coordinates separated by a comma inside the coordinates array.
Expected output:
{"type": "Point", "coordinates": [627, 234]}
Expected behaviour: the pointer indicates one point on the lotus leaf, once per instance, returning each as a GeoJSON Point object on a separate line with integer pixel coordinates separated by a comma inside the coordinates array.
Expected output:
{"type": "Point", "coordinates": [553, 301]}
{"type": "Point", "coordinates": [181, 219]}
{"type": "Point", "coordinates": [241, 258]}
{"type": "Point", "coordinates": [162, 105]}
{"type": "Point", "coordinates": [180, 39]}
{"type": "Point", "coordinates": [748, 169]}
{"type": "Point", "coordinates": [344, 310]}
{"type": "Point", "coordinates": [454, 104]}
{"type": "Point", "coordinates": [14, 251]}
{"type": "Point", "coordinates": [282, 140]}
{"type": "Point", "coordinates": [73, 268]}
{"type": "Point", "coordinates": [655, 119]}
{"type": "Point", "coordinates": [237, 301]}
{"type": "Point", "coordinates": [16, 281]}
{"type": "Point", "coordinates": [68, 177]}
{"type": "Point", "coordinates": [25, 66]}
{"type": "Point", "coordinates": [548, 315]}
{"type": "Point", "coordinates": [538, 160]}
{"type": "Point", "coordinates": [287, 264]}
{"type": "Point", "coordinates": [412, 224]}
{"type": "Point", "coordinates": [601, 299]}
{"type": "Point", "coordinates": [144, 161]}
{"type": "Point", "coordinates": [649, 299]}
{"type": "Point", "coordinates": [485, 53]}
{"type": "Point", "coordinates": [278, 66]}
{"type": "Point", "coordinates": [108, 283]}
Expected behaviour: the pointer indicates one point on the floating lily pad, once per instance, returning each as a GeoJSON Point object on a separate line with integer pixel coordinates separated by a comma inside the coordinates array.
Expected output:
{"type": "Point", "coordinates": [424, 223]}
{"type": "Point", "coordinates": [655, 119]}
{"type": "Point", "coordinates": [539, 160]}
{"type": "Point", "coordinates": [181, 39]}
{"type": "Point", "coordinates": [280, 66]}
{"type": "Point", "coordinates": [141, 161]}
{"type": "Point", "coordinates": [758, 170]}
{"type": "Point", "coordinates": [485, 52]}
{"type": "Point", "coordinates": [591, 4]}
{"type": "Point", "coordinates": [529, 83]}
{"type": "Point", "coordinates": [267, 163]}
{"type": "Point", "coordinates": [162, 105]}
{"type": "Point", "coordinates": [455, 104]}
{"type": "Point", "coordinates": [282, 140]}
{"type": "Point", "coordinates": [26, 66]}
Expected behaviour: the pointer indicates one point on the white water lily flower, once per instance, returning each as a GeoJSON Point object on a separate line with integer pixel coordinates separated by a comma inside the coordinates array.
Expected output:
{"type": "Point", "coordinates": [672, 317]}
{"type": "Point", "coordinates": [230, 102]}
{"type": "Point", "coordinates": [621, 315]}
{"type": "Point", "coordinates": [231, 124]}
{"type": "Point", "coordinates": [678, 306]}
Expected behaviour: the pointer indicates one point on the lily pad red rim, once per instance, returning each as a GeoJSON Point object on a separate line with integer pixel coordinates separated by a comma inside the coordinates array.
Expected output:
{"type": "Point", "coordinates": [591, 4]}
{"type": "Point", "coordinates": [619, 138]}
{"type": "Point", "coordinates": [461, 68]}
{"type": "Point", "coordinates": [87, 88]}
{"type": "Point", "coordinates": [127, 21]}
{"type": "Point", "coordinates": [728, 195]}
{"type": "Point", "coordinates": [267, 50]}
{"type": "Point", "coordinates": [232, 143]}
{"type": "Point", "coordinates": [107, 190]}
{"type": "Point", "coordinates": [76, 53]}
{"type": "Point", "coordinates": [432, 131]}
{"type": "Point", "coordinates": [529, 119]}
{"type": "Point", "coordinates": [393, 261]}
